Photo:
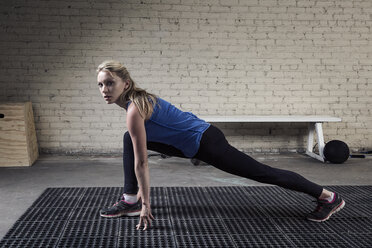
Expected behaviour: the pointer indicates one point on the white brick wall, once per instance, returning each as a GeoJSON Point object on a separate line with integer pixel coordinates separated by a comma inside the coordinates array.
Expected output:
{"type": "Point", "coordinates": [209, 57]}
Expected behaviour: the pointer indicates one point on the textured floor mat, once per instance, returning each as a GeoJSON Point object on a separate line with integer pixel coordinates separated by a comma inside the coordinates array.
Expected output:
{"type": "Point", "coordinates": [194, 217]}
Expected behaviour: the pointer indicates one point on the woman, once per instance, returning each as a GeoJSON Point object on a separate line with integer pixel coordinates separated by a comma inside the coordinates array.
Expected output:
{"type": "Point", "coordinates": [157, 125]}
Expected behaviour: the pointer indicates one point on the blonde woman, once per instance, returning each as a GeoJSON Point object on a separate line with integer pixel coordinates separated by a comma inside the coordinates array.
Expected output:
{"type": "Point", "coordinates": [157, 125]}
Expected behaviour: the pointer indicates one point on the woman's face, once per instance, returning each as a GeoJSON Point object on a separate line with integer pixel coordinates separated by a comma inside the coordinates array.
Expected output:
{"type": "Point", "coordinates": [111, 86]}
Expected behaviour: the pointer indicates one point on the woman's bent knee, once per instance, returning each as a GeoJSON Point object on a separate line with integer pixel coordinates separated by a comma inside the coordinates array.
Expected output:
{"type": "Point", "coordinates": [127, 137]}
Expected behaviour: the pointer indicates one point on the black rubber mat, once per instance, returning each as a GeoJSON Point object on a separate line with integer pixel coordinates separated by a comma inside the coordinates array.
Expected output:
{"type": "Point", "coordinates": [194, 217]}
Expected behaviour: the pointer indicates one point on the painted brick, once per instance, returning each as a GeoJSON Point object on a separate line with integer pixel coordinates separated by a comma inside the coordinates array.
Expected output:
{"type": "Point", "coordinates": [209, 57]}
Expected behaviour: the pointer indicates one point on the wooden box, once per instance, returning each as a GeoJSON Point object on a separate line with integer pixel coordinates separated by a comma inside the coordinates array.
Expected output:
{"type": "Point", "coordinates": [18, 145]}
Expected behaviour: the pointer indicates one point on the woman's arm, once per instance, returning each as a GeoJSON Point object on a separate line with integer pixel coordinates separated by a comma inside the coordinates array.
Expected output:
{"type": "Point", "coordinates": [136, 128]}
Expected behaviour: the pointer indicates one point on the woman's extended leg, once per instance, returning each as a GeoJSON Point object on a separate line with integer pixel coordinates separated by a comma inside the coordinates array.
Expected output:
{"type": "Point", "coordinates": [215, 150]}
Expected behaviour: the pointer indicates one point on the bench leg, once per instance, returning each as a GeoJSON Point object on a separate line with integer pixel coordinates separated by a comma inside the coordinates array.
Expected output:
{"type": "Point", "coordinates": [310, 138]}
{"type": "Point", "coordinates": [319, 131]}
{"type": "Point", "coordinates": [317, 127]}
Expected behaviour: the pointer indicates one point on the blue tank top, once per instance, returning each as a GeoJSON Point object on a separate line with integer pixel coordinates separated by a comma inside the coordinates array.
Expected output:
{"type": "Point", "coordinates": [169, 125]}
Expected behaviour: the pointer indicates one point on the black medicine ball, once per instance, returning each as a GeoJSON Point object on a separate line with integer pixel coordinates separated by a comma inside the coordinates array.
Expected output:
{"type": "Point", "coordinates": [336, 151]}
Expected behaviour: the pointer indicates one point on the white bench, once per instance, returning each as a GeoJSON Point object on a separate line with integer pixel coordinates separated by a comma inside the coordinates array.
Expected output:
{"type": "Point", "coordinates": [315, 124]}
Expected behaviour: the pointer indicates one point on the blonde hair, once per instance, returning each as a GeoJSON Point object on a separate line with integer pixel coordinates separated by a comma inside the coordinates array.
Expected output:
{"type": "Point", "coordinates": [144, 101]}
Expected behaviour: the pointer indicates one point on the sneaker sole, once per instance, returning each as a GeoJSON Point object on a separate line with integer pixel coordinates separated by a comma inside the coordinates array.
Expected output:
{"type": "Point", "coordinates": [130, 214]}
{"type": "Point", "coordinates": [338, 208]}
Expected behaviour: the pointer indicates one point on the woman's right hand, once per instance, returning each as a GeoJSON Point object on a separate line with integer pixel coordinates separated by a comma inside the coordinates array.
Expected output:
{"type": "Point", "coordinates": [145, 217]}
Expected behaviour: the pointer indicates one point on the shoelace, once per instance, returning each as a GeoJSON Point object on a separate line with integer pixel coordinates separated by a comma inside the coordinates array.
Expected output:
{"type": "Point", "coordinates": [121, 198]}
{"type": "Point", "coordinates": [320, 205]}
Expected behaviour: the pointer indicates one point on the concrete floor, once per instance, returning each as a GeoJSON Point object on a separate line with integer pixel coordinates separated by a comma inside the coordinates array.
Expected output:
{"type": "Point", "coordinates": [21, 186]}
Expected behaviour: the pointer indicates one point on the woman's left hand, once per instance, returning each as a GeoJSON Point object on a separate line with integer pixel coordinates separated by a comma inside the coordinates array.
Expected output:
{"type": "Point", "coordinates": [145, 217]}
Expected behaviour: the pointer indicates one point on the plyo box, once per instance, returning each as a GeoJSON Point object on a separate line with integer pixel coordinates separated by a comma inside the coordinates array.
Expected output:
{"type": "Point", "coordinates": [18, 144]}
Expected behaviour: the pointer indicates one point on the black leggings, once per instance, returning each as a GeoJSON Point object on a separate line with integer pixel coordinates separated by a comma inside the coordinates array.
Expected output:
{"type": "Point", "coordinates": [215, 150]}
